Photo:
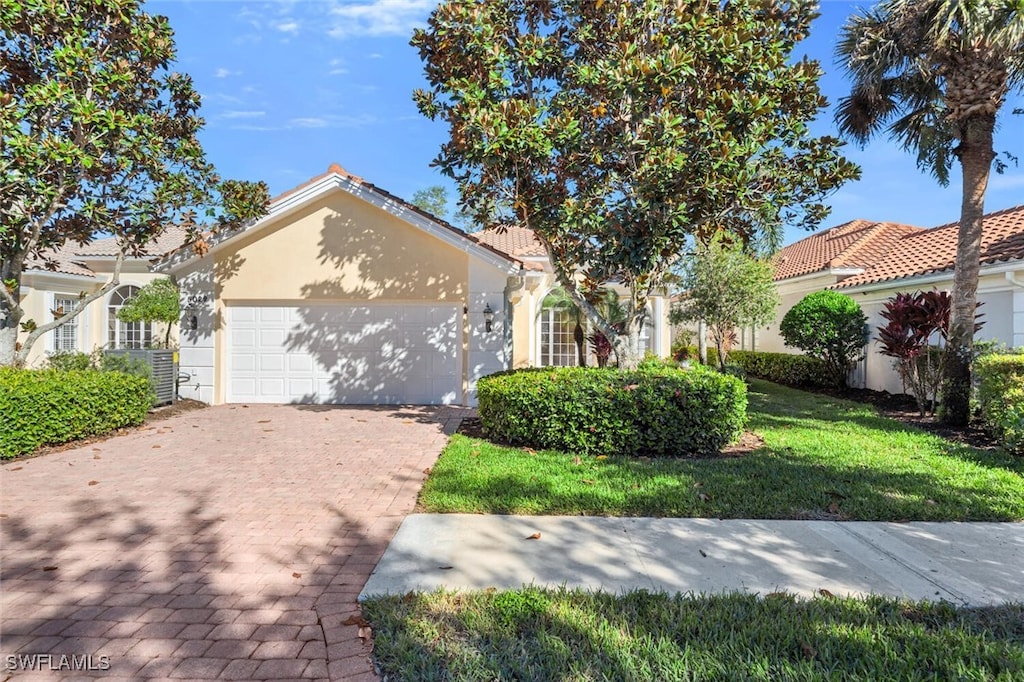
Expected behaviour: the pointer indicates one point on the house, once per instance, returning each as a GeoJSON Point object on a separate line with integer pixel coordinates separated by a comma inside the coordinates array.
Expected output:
{"type": "Point", "coordinates": [345, 293]}
{"type": "Point", "coordinates": [874, 261]}
{"type": "Point", "coordinates": [59, 280]}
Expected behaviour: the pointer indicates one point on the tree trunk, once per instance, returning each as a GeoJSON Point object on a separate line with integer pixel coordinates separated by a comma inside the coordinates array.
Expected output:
{"type": "Point", "coordinates": [975, 152]}
{"type": "Point", "coordinates": [627, 344]}
{"type": "Point", "coordinates": [702, 342]}
{"type": "Point", "coordinates": [10, 317]}
{"type": "Point", "coordinates": [580, 339]}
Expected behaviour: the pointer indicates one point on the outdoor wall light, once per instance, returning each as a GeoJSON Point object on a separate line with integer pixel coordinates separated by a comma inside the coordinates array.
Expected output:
{"type": "Point", "coordinates": [488, 317]}
{"type": "Point", "coordinates": [193, 323]}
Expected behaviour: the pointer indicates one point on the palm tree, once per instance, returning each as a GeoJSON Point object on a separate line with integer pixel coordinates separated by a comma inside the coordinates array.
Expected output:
{"type": "Point", "coordinates": [935, 73]}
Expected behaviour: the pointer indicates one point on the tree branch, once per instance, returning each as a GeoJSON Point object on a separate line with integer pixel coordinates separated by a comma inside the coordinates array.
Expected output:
{"type": "Point", "coordinates": [115, 280]}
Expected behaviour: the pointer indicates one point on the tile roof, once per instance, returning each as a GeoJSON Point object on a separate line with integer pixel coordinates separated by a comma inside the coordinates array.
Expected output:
{"type": "Point", "coordinates": [69, 257]}
{"type": "Point", "coordinates": [515, 241]}
{"type": "Point", "coordinates": [928, 251]}
{"type": "Point", "coordinates": [856, 244]}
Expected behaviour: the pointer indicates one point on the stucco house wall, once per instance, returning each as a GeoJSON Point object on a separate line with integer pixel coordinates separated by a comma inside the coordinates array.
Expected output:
{"type": "Point", "coordinates": [872, 262]}
{"type": "Point", "coordinates": [90, 327]}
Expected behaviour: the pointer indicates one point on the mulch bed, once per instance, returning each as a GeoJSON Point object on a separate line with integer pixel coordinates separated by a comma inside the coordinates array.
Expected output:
{"type": "Point", "coordinates": [903, 408]}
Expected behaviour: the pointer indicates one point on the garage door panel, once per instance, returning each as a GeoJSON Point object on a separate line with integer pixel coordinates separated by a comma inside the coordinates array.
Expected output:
{"type": "Point", "coordinates": [350, 354]}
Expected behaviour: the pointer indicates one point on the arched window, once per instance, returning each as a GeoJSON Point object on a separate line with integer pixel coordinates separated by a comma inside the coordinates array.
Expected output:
{"type": "Point", "coordinates": [126, 334]}
{"type": "Point", "coordinates": [557, 326]}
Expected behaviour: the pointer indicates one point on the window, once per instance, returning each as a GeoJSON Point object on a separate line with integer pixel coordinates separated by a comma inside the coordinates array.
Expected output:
{"type": "Point", "coordinates": [557, 345]}
{"type": "Point", "coordinates": [65, 337]}
{"type": "Point", "coordinates": [126, 334]}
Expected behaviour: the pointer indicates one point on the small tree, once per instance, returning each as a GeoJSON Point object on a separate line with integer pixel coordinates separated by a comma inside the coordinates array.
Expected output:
{"type": "Point", "coordinates": [831, 327]}
{"type": "Point", "coordinates": [726, 288]}
{"type": "Point", "coordinates": [433, 200]}
{"type": "Point", "coordinates": [608, 304]}
{"type": "Point", "coordinates": [155, 302]}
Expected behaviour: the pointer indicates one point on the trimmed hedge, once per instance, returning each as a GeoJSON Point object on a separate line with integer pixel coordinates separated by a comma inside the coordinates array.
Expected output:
{"type": "Point", "coordinates": [657, 411]}
{"type": "Point", "coordinates": [1001, 397]}
{"type": "Point", "coordinates": [47, 407]}
{"type": "Point", "coordinates": [783, 368]}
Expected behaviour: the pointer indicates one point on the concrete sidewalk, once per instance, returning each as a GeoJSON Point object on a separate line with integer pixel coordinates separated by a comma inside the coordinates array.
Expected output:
{"type": "Point", "coordinates": [964, 563]}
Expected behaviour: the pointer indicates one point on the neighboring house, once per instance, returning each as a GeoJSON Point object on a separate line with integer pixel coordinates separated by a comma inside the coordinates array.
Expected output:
{"type": "Point", "coordinates": [57, 282]}
{"type": "Point", "coordinates": [345, 293]}
{"type": "Point", "coordinates": [874, 261]}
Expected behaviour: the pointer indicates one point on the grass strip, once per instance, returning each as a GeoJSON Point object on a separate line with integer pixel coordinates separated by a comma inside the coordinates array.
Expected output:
{"type": "Point", "coordinates": [540, 634]}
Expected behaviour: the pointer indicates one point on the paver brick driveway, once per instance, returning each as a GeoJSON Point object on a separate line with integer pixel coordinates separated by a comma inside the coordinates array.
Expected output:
{"type": "Point", "coordinates": [224, 543]}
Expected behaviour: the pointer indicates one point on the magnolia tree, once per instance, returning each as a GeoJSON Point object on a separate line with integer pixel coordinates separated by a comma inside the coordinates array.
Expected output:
{"type": "Point", "coordinates": [616, 130]}
{"type": "Point", "coordinates": [99, 138]}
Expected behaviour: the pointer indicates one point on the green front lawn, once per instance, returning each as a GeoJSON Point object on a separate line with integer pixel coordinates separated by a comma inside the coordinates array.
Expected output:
{"type": "Point", "coordinates": [535, 634]}
{"type": "Point", "coordinates": [822, 458]}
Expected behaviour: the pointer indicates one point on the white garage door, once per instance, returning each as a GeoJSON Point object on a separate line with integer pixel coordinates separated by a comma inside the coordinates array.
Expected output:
{"type": "Point", "coordinates": [374, 354]}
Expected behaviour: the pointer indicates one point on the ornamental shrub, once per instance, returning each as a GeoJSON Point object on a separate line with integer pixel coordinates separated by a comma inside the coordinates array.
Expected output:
{"type": "Point", "coordinates": [658, 411]}
{"type": "Point", "coordinates": [47, 407]}
{"type": "Point", "coordinates": [1001, 397]}
{"type": "Point", "coordinates": [783, 368]}
{"type": "Point", "coordinates": [831, 327]}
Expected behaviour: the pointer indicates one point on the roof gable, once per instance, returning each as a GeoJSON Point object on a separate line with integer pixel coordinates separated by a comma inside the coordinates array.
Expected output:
{"type": "Point", "coordinates": [336, 178]}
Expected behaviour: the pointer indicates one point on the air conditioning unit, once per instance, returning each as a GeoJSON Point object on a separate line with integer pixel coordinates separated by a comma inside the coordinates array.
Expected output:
{"type": "Point", "coordinates": [164, 368]}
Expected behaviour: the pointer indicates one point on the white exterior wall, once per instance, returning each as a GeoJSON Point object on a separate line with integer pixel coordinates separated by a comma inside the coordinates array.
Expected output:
{"type": "Point", "coordinates": [487, 351]}
{"type": "Point", "coordinates": [997, 294]}
{"type": "Point", "coordinates": [197, 353]}
{"type": "Point", "coordinates": [791, 292]}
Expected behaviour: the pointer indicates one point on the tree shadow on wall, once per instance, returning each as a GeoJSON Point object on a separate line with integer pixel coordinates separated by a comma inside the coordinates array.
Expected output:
{"type": "Point", "coordinates": [406, 347]}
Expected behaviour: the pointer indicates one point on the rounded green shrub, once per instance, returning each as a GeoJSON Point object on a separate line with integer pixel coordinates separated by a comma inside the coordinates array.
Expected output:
{"type": "Point", "coordinates": [47, 407]}
{"type": "Point", "coordinates": [1001, 397]}
{"type": "Point", "coordinates": [829, 326]}
{"type": "Point", "coordinates": [658, 411]}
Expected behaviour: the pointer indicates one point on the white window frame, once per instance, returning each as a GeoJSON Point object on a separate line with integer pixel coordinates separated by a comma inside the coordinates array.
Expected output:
{"type": "Point", "coordinates": [118, 332]}
{"type": "Point", "coordinates": [70, 329]}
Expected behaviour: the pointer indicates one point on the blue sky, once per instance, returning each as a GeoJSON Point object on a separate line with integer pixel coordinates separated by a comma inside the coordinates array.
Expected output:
{"type": "Point", "coordinates": [290, 87]}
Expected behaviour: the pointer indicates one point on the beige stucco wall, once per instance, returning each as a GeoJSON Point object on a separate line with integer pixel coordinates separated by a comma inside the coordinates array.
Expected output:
{"type": "Point", "coordinates": [341, 249]}
{"type": "Point", "coordinates": [768, 338]}
{"type": "Point", "coordinates": [338, 248]}
{"type": "Point", "coordinates": [527, 300]}
{"type": "Point", "coordinates": [37, 298]}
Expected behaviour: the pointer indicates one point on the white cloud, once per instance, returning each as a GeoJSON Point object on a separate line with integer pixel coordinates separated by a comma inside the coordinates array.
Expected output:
{"type": "Point", "coordinates": [336, 67]}
{"type": "Point", "coordinates": [304, 123]}
{"type": "Point", "coordinates": [311, 122]}
{"type": "Point", "coordinates": [222, 72]}
{"type": "Point", "coordinates": [234, 114]}
{"type": "Point", "coordinates": [378, 17]}
{"type": "Point", "coordinates": [289, 26]}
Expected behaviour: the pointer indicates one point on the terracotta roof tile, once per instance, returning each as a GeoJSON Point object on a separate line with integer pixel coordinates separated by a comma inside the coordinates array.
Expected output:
{"type": "Point", "coordinates": [855, 244]}
{"type": "Point", "coordinates": [515, 241]}
{"type": "Point", "coordinates": [69, 257]}
{"type": "Point", "coordinates": [928, 251]}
